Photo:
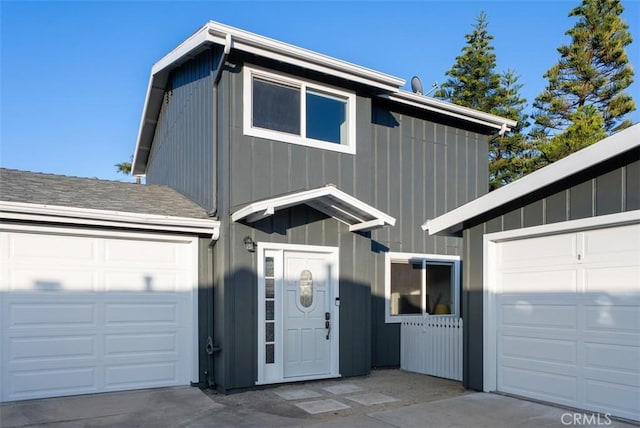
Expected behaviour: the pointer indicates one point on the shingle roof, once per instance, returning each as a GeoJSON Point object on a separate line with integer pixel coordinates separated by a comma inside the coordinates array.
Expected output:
{"type": "Point", "coordinates": [60, 190]}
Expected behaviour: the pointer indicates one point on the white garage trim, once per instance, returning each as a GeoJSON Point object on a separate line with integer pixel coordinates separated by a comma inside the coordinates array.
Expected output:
{"type": "Point", "coordinates": [92, 217]}
{"type": "Point", "coordinates": [490, 288]}
{"type": "Point", "coordinates": [191, 278]}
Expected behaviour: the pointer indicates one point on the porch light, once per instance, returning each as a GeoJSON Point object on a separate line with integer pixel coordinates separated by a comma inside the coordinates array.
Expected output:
{"type": "Point", "coordinates": [249, 244]}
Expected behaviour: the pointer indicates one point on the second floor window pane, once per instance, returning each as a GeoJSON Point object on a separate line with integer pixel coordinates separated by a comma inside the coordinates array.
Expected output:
{"type": "Point", "coordinates": [276, 106]}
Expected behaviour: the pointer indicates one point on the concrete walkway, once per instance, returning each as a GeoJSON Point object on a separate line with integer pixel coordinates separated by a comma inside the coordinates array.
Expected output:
{"type": "Point", "coordinates": [386, 398]}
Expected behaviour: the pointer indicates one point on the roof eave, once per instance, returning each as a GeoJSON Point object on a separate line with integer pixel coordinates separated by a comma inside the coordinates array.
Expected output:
{"type": "Point", "coordinates": [453, 221]}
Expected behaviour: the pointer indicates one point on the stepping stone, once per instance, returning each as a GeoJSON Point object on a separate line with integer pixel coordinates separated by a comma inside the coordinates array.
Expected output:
{"type": "Point", "coordinates": [343, 388]}
{"type": "Point", "coordinates": [297, 394]}
{"type": "Point", "coordinates": [322, 406]}
{"type": "Point", "coordinates": [372, 398]}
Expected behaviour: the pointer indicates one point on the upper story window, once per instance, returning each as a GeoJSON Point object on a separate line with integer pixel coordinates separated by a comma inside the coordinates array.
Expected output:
{"type": "Point", "coordinates": [298, 111]}
{"type": "Point", "coordinates": [421, 284]}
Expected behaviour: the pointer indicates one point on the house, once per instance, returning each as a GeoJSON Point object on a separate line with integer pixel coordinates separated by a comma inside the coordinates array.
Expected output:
{"type": "Point", "coordinates": [98, 285]}
{"type": "Point", "coordinates": [277, 239]}
{"type": "Point", "coordinates": [551, 285]}
{"type": "Point", "coordinates": [320, 173]}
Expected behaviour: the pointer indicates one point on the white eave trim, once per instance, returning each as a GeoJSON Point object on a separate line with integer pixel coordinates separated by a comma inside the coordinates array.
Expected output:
{"type": "Point", "coordinates": [91, 217]}
{"type": "Point", "coordinates": [452, 222]}
{"type": "Point", "coordinates": [451, 110]}
{"type": "Point", "coordinates": [263, 209]}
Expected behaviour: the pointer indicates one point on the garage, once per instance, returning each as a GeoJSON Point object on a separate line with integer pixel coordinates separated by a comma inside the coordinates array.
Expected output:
{"type": "Point", "coordinates": [98, 285]}
{"type": "Point", "coordinates": [84, 313]}
{"type": "Point", "coordinates": [568, 319]}
{"type": "Point", "coordinates": [551, 282]}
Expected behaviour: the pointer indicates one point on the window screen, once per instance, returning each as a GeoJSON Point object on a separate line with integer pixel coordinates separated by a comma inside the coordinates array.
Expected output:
{"type": "Point", "coordinates": [276, 106]}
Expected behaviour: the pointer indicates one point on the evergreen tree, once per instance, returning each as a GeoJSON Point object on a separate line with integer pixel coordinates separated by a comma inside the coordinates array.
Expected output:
{"type": "Point", "coordinates": [510, 155]}
{"type": "Point", "coordinates": [585, 96]}
{"type": "Point", "coordinates": [472, 80]}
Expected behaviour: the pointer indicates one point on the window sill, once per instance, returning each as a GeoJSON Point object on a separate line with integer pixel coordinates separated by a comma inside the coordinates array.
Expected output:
{"type": "Point", "coordinates": [294, 139]}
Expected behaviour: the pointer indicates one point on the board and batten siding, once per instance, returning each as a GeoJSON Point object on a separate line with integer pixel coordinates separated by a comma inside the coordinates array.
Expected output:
{"type": "Point", "coordinates": [405, 166]}
{"type": "Point", "coordinates": [608, 188]}
{"type": "Point", "coordinates": [183, 155]}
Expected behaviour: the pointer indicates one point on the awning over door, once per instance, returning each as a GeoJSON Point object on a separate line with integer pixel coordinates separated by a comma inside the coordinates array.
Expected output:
{"type": "Point", "coordinates": [327, 199]}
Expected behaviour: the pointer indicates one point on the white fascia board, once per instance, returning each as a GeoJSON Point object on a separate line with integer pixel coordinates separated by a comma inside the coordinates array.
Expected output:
{"type": "Point", "coordinates": [264, 46]}
{"type": "Point", "coordinates": [451, 110]}
{"type": "Point", "coordinates": [262, 209]}
{"type": "Point", "coordinates": [608, 148]}
{"type": "Point", "coordinates": [86, 216]}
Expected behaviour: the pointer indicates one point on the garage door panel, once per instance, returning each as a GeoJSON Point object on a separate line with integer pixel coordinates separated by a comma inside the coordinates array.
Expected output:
{"type": "Point", "coordinates": [54, 279]}
{"type": "Point", "coordinates": [560, 251]}
{"type": "Point", "coordinates": [40, 348]}
{"type": "Point", "coordinates": [37, 383]}
{"type": "Point", "coordinates": [538, 384]}
{"type": "Point", "coordinates": [608, 318]}
{"type": "Point", "coordinates": [117, 314]}
{"type": "Point", "coordinates": [148, 253]}
{"type": "Point", "coordinates": [613, 357]}
{"type": "Point", "coordinates": [556, 281]}
{"type": "Point", "coordinates": [50, 249]}
{"type": "Point", "coordinates": [128, 344]}
{"type": "Point", "coordinates": [526, 314]}
{"type": "Point", "coordinates": [543, 350]}
{"type": "Point", "coordinates": [51, 315]}
{"type": "Point", "coordinates": [621, 400]}
{"type": "Point", "coordinates": [598, 246]}
{"type": "Point", "coordinates": [135, 281]}
{"type": "Point", "coordinates": [612, 279]}
{"type": "Point", "coordinates": [141, 375]}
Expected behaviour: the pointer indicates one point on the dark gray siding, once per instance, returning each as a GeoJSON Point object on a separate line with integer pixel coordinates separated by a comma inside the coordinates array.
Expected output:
{"type": "Point", "coordinates": [407, 167]}
{"type": "Point", "coordinates": [182, 154]}
{"type": "Point", "coordinates": [611, 187]}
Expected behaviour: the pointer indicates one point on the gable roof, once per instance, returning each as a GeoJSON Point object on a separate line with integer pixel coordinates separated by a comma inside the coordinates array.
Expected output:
{"type": "Point", "coordinates": [327, 199]}
{"type": "Point", "coordinates": [453, 222]}
{"type": "Point", "coordinates": [85, 201]}
{"type": "Point", "coordinates": [214, 33]}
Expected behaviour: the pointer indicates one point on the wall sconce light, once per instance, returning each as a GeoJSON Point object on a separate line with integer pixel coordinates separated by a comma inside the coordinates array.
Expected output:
{"type": "Point", "coordinates": [249, 244]}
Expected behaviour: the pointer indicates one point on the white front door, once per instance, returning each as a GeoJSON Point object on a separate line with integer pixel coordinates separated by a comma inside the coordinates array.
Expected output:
{"type": "Point", "coordinates": [298, 315]}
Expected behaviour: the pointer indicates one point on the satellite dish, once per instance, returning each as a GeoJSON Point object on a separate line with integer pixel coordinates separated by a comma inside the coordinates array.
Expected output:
{"type": "Point", "coordinates": [416, 85]}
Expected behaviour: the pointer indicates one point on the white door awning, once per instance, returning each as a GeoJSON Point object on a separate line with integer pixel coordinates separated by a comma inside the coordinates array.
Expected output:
{"type": "Point", "coordinates": [327, 199]}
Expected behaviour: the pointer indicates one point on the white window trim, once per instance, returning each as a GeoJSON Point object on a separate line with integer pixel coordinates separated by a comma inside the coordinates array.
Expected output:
{"type": "Point", "coordinates": [390, 257]}
{"type": "Point", "coordinates": [303, 84]}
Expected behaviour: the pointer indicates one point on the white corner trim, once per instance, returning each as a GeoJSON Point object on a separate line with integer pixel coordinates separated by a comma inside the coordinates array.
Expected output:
{"type": "Point", "coordinates": [489, 274]}
{"type": "Point", "coordinates": [262, 209]}
{"type": "Point", "coordinates": [608, 148]}
{"type": "Point", "coordinates": [93, 217]}
{"type": "Point", "coordinates": [451, 110]}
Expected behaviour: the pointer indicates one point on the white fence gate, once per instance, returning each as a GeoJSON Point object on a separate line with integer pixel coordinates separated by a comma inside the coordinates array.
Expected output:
{"type": "Point", "coordinates": [433, 346]}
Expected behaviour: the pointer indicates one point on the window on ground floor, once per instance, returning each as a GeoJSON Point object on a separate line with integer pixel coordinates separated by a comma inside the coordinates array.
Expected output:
{"type": "Point", "coordinates": [421, 284]}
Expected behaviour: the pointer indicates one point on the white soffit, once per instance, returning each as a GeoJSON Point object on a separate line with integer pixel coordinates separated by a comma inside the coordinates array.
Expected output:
{"type": "Point", "coordinates": [329, 200]}
{"type": "Point", "coordinates": [452, 222]}
{"type": "Point", "coordinates": [92, 217]}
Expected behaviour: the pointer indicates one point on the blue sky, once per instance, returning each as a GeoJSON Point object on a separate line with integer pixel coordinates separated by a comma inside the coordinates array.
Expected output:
{"type": "Point", "coordinates": [73, 75]}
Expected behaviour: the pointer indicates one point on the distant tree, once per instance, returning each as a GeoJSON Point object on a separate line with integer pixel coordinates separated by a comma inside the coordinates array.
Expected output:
{"type": "Point", "coordinates": [124, 168]}
{"type": "Point", "coordinates": [472, 80]}
{"type": "Point", "coordinates": [585, 95]}
{"type": "Point", "coordinates": [511, 156]}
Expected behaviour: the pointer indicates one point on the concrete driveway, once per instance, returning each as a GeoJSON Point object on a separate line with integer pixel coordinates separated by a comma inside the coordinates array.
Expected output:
{"type": "Point", "coordinates": [386, 398]}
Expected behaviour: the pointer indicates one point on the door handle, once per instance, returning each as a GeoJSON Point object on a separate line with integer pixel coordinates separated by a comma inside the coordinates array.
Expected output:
{"type": "Point", "coordinates": [327, 323]}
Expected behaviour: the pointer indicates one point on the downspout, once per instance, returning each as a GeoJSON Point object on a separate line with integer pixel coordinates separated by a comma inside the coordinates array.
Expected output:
{"type": "Point", "coordinates": [212, 347]}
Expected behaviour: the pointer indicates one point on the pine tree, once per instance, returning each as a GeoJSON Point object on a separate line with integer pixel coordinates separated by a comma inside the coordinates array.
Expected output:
{"type": "Point", "coordinates": [511, 156]}
{"type": "Point", "coordinates": [472, 80]}
{"type": "Point", "coordinates": [585, 96]}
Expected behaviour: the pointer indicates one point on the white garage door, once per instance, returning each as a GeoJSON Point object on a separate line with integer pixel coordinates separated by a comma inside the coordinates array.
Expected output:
{"type": "Point", "coordinates": [85, 314]}
{"type": "Point", "coordinates": [568, 319]}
